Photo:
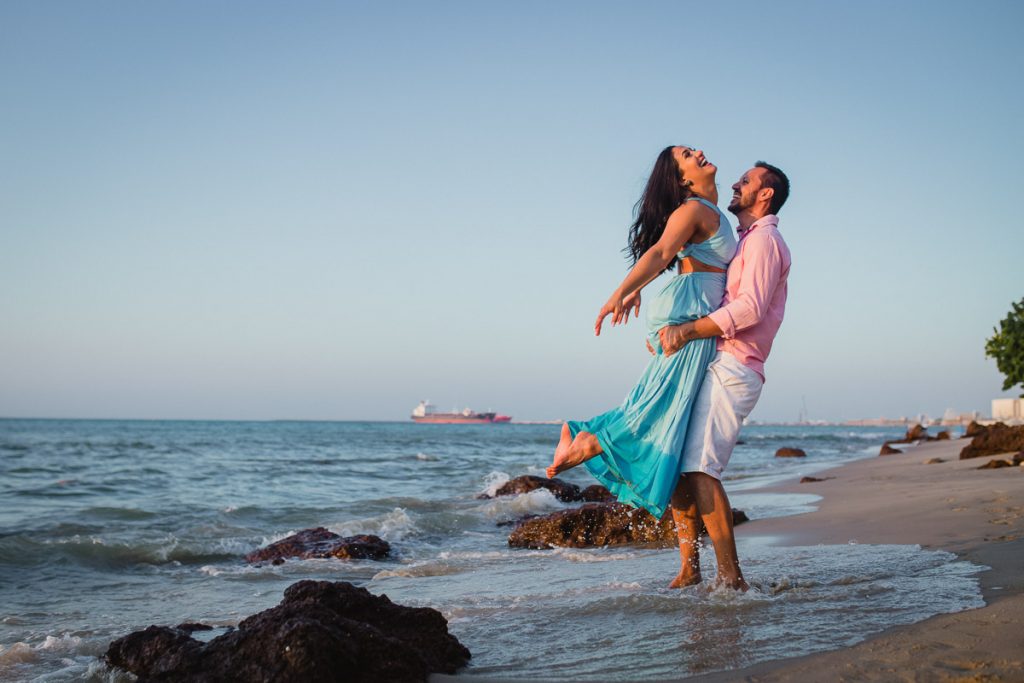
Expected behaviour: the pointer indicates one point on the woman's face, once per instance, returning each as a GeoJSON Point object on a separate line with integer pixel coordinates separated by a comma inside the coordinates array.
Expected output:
{"type": "Point", "coordinates": [693, 165]}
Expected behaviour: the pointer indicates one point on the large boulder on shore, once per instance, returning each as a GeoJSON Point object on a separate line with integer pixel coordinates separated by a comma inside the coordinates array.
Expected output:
{"type": "Point", "coordinates": [914, 433]}
{"type": "Point", "coordinates": [888, 450]}
{"type": "Point", "coordinates": [790, 453]}
{"type": "Point", "coordinates": [321, 543]}
{"type": "Point", "coordinates": [321, 631]}
{"type": "Point", "coordinates": [993, 440]}
{"type": "Point", "coordinates": [596, 525]}
{"type": "Point", "coordinates": [973, 429]}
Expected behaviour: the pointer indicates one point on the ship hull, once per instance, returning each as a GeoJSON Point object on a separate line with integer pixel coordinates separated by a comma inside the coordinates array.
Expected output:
{"type": "Point", "coordinates": [454, 419]}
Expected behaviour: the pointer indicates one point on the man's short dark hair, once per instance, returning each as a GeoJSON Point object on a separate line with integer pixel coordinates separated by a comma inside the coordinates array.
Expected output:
{"type": "Point", "coordinates": [778, 181]}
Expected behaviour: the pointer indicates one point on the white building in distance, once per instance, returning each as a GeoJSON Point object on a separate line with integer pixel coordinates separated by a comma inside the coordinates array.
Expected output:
{"type": "Point", "coordinates": [1007, 409]}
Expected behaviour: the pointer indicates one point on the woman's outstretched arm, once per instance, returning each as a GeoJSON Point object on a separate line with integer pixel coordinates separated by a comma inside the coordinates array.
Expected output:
{"type": "Point", "coordinates": [678, 230]}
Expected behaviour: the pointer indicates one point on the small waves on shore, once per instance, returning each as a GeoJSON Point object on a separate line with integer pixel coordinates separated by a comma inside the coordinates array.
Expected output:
{"type": "Point", "coordinates": [108, 527]}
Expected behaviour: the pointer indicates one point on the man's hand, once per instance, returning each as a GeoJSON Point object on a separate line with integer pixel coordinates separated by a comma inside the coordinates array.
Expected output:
{"type": "Point", "coordinates": [674, 337]}
{"type": "Point", "coordinates": [650, 348]}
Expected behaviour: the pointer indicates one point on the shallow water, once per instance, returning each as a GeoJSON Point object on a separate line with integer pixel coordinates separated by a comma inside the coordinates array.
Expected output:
{"type": "Point", "coordinates": [107, 527]}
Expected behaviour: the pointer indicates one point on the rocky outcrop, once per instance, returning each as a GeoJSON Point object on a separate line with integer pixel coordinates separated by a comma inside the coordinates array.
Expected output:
{"type": "Point", "coordinates": [914, 433]}
{"type": "Point", "coordinates": [561, 489]}
{"type": "Point", "coordinates": [888, 450]}
{"type": "Point", "coordinates": [593, 524]}
{"type": "Point", "coordinates": [790, 453]}
{"type": "Point", "coordinates": [973, 429]}
{"type": "Point", "coordinates": [994, 440]}
{"type": "Point", "coordinates": [942, 436]}
{"type": "Point", "coordinates": [321, 543]}
{"type": "Point", "coordinates": [597, 525]}
{"type": "Point", "coordinates": [595, 493]}
{"type": "Point", "coordinates": [933, 461]}
{"type": "Point", "coordinates": [321, 631]}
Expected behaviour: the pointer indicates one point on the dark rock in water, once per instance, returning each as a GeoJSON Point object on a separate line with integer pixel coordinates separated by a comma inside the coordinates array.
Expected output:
{"type": "Point", "coordinates": [593, 524]}
{"type": "Point", "coordinates": [790, 453]}
{"type": "Point", "coordinates": [995, 464]}
{"type": "Point", "coordinates": [738, 517]}
{"type": "Point", "coordinates": [321, 631]}
{"type": "Point", "coordinates": [1018, 458]}
{"type": "Point", "coordinates": [994, 440]}
{"type": "Point", "coordinates": [811, 480]}
{"type": "Point", "coordinates": [595, 493]}
{"type": "Point", "coordinates": [190, 627]}
{"type": "Point", "coordinates": [741, 443]}
{"type": "Point", "coordinates": [321, 543]}
{"type": "Point", "coordinates": [513, 522]}
{"type": "Point", "coordinates": [597, 525]}
{"type": "Point", "coordinates": [888, 450]}
{"type": "Point", "coordinates": [942, 436]}
{"type": "Point", "coordinates": [562, 490]}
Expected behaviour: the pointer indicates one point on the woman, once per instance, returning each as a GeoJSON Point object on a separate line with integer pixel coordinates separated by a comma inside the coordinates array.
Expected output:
{"type": "Point", "coordinates": [640, 443]}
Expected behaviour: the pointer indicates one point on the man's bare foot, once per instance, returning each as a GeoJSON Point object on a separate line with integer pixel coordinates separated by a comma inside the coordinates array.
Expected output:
{"type": "Point", "coordinates": [685, 578]}
{"type": "Point", "coordinates": [569, 454]}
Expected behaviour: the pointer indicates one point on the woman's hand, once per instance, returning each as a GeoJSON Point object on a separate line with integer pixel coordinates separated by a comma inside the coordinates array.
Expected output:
{"type": "Point", "coordinates": [613, 307]}
{"type": "Point", "coordinates": [631, 302]}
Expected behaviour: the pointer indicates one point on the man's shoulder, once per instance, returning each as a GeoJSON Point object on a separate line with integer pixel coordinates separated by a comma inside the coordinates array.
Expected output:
{"type": "Point", "coordinates": [767, 240]}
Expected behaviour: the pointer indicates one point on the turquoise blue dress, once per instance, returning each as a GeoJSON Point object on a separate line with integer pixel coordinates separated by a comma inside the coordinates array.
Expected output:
{"type": "Point", "coordinates": [642, 439]}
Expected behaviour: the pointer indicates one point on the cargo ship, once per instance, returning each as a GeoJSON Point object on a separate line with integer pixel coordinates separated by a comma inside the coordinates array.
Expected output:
{"type": "Point", "coordinates": [425, 413]}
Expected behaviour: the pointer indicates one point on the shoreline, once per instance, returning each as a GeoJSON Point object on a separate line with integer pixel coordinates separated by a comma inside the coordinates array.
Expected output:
{"type": "Point", "coordinates": [978, 515]}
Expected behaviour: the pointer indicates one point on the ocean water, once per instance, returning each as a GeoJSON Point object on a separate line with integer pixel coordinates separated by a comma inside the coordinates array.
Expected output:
{"type": "Point", "coordinates": [109, 526]}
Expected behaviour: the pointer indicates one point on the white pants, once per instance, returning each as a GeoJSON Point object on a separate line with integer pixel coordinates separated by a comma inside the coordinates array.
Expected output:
{"type": "Point", "coordinates": [728, 394]}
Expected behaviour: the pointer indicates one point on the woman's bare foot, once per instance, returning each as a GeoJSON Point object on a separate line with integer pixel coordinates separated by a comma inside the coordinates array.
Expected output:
{"type": "Point", "coordinates": [686, 578]}
{"type": "Point", "coordinates": [569, 454]}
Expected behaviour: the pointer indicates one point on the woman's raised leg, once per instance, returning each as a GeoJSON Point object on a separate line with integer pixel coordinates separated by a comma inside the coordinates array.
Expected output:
{"type": "Point", "coordinates": [569, 454]}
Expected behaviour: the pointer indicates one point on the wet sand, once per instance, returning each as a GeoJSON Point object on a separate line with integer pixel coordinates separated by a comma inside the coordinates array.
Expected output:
{"type": "Point", "coordinates": [977, 514]}
{"type": "Point", "coordinates": [898, 499]}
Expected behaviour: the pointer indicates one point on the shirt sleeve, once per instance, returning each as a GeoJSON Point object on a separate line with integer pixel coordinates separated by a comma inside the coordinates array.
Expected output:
{"type": "Point", "coordinates": [762, 269]}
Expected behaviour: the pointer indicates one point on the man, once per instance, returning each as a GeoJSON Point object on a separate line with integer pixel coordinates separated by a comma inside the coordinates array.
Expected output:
{"type": "Point", "coordinates": [746, 325]}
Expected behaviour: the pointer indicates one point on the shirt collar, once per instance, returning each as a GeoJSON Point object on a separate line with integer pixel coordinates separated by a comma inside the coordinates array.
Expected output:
{"type": "Point", "coordinates": [771, 220]}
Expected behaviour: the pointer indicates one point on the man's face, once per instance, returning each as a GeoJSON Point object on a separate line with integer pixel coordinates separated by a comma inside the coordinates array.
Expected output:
{"type": "Point", "coordinates": [746, 189]}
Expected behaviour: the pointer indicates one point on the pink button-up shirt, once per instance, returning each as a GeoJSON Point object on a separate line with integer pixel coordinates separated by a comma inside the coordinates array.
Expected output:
{"type": "Point", "coordinates": [755, 294]}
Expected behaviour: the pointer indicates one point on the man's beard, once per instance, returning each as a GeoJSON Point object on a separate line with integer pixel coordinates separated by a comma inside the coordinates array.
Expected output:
{"type": "Point", "coordinates": [735, 206]}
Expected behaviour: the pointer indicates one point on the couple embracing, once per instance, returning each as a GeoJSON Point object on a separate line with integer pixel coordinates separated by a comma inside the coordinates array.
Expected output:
{"type": "Point", "coordinates": [709, 331]}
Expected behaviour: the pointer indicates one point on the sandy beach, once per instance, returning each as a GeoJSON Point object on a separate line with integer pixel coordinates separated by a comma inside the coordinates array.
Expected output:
{"type": "Point", "coordinates": [952, 505]}
{"type": "Point", "coordinates": [899, 499]}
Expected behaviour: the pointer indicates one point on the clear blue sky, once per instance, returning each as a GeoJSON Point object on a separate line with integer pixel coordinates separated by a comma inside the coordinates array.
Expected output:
{"type": "Point", "coordinates": [334, 210]}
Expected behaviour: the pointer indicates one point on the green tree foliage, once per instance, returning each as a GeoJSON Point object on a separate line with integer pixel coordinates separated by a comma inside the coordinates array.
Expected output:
{"type": "Point", "coordinates": [1006, 346]}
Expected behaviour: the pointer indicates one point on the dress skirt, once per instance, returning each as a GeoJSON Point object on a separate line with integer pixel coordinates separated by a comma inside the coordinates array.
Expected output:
{"type": "Point", "coordinates": [642, 439]}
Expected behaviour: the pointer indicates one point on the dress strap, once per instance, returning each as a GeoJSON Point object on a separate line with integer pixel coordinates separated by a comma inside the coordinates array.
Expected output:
{"type": "Point", "coordinates": [702, 201]}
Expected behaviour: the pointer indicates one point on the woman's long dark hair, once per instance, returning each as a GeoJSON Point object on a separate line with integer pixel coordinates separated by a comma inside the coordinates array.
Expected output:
{"type": "Point", "coordinates": [661, 197]}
